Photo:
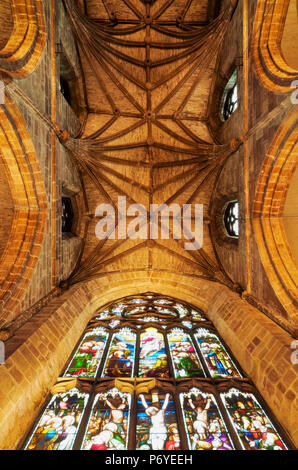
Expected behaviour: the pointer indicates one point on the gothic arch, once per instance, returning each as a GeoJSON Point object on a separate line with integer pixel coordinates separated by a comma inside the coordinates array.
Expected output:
{"type": "Point", "coordinates": [271, 193]}
{"type": "Point", "coordinates": [22, 52]}
{"type": "Point", "coordinates": [53, 345]}
{"type": "Point", "coordinates": [269, 63]}
{"type": "Point", "coordinates": [29, 209]}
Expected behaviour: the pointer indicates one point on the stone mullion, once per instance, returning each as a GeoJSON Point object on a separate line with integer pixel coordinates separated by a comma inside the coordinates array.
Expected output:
{"type": "Point", "coordinates": [137, 354]}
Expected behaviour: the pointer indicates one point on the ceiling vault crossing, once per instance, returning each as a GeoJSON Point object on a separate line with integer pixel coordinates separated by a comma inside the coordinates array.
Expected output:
{"type": "Point", "coordinates": [148, 68]}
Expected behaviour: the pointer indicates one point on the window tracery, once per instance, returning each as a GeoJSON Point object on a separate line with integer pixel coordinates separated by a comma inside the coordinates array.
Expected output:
{"type": "Point", "coordinates": [231, 219]}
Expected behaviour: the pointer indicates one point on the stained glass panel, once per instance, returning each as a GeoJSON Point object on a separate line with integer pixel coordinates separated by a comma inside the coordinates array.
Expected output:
{"type": "Point", "coordinates": [181, 309]}
{"type": "Point", "coordinates": [197, 316]}
{"type": "Point", "coordinates": [58, 425]}
{"type": "Point", "coordinates": [108, 426]}
{"type": "Point", "coordinates": [88, 355]}
{"type": "Point", "coordinates": [135, 311]}
{"type": "Point", "coordinates": [149, 319]}
{"type": "Point", "coordinates": [103, 315]}
{"type": "Point", "coordinates": [153, 357]}
{"type": "Point", "coordinates": [133, 349]}
{"type": "Point", "coordinates": [185, 360]}
{"type": "Point", "coordinates": [162, 302]}
{"type": "Point", "coordinates": [120, 360]}
{"type": "Point", "coordinates": [157, 427]}
{"type": "Point", "coordinates": [138, 301]}
{"type": "Point", "coordinates": [164, 310]}
{"type": "Point", "coordinates": [216, 357]}
{"type": "Point", "coordinates": [255, 430]}
{"type": "Point", "coordinates": [203, 422]}
{"type": "Point", "coordinates": [118, 309]}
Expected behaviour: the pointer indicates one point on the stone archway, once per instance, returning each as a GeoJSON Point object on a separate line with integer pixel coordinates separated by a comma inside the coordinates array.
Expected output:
{"type": "Point", "coordinates": [261, 347]}
{"type": "Point", "coordinates": [271, 194]}
{"type": "Point", "coordinates": [268, 33]}
{"type": "Point", "coordinates": [29, 209]}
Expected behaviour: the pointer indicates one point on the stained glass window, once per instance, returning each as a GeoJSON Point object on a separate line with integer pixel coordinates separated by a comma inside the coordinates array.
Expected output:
{"type": "Point", "coordinates": [152, 373]}
{"type": "Point", "coordinates": [87, 358]}
{"type": "Point", "coordinates": [120, 360]}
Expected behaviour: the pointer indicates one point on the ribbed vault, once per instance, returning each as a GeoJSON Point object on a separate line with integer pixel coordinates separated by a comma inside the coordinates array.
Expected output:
{"type": "Point", "coordinates": [148, 68]}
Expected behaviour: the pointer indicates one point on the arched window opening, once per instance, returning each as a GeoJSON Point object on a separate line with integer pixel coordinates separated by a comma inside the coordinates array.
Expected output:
{"type": "Point", "coordinates": [146, 378]}
{"type": "Point", "coordinates": [231, 219]}
{"type": "Point", "coordinates": [67, 76]}
{"type": "Point", "coordinates": [229, 101]}
{"type": "Point", "coordinates": [67, 215]}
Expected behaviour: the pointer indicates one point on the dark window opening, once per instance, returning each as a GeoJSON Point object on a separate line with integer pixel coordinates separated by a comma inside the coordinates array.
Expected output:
{"type": "Point", "coordinates": [67, 215]}
{"type": "Point", "coordinates": [231, 219]}
{"type": "Point", "coordinates": [67, 77]}
{"type": "Point", "coordinates": [65, 89]}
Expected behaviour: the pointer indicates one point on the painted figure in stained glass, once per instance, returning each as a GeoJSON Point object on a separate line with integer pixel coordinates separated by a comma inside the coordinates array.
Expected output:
{"type": "Point", "coordinates": [204, 425]}
{"type": "Point", "coordinates": [157, 427]}
{"type": "Point", "coordinates": [109, 422]}
{"type": "Point", "coordinates": [255, 430]}
{"type": "Point", "coordinates": [185, 360]}
{"type": "Point", "coordinates": [87, 358]}
{"type": "Point", "coordinates": [153, 357]}
{"type": "Point", "coordinates": [120, 359]}
{"type": "Point", "coordinates": [216, 357]}
{"type": "Point", "coordinates": [58, 425]}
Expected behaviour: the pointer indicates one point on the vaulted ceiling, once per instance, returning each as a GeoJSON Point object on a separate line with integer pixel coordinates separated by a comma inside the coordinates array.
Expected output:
{"type": "Point", "coordinates": [148, 69]}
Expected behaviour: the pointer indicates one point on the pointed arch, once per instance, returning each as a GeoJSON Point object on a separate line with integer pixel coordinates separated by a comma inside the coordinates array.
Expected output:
{"type": "Point", "coordinates": [271, 193]}
{"type": "Point", "coordinates": [25, 180]}
{"type": "Point", "coordinates": [22, 52]}
{"type": "Point", "coordinates": [269, 63]}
